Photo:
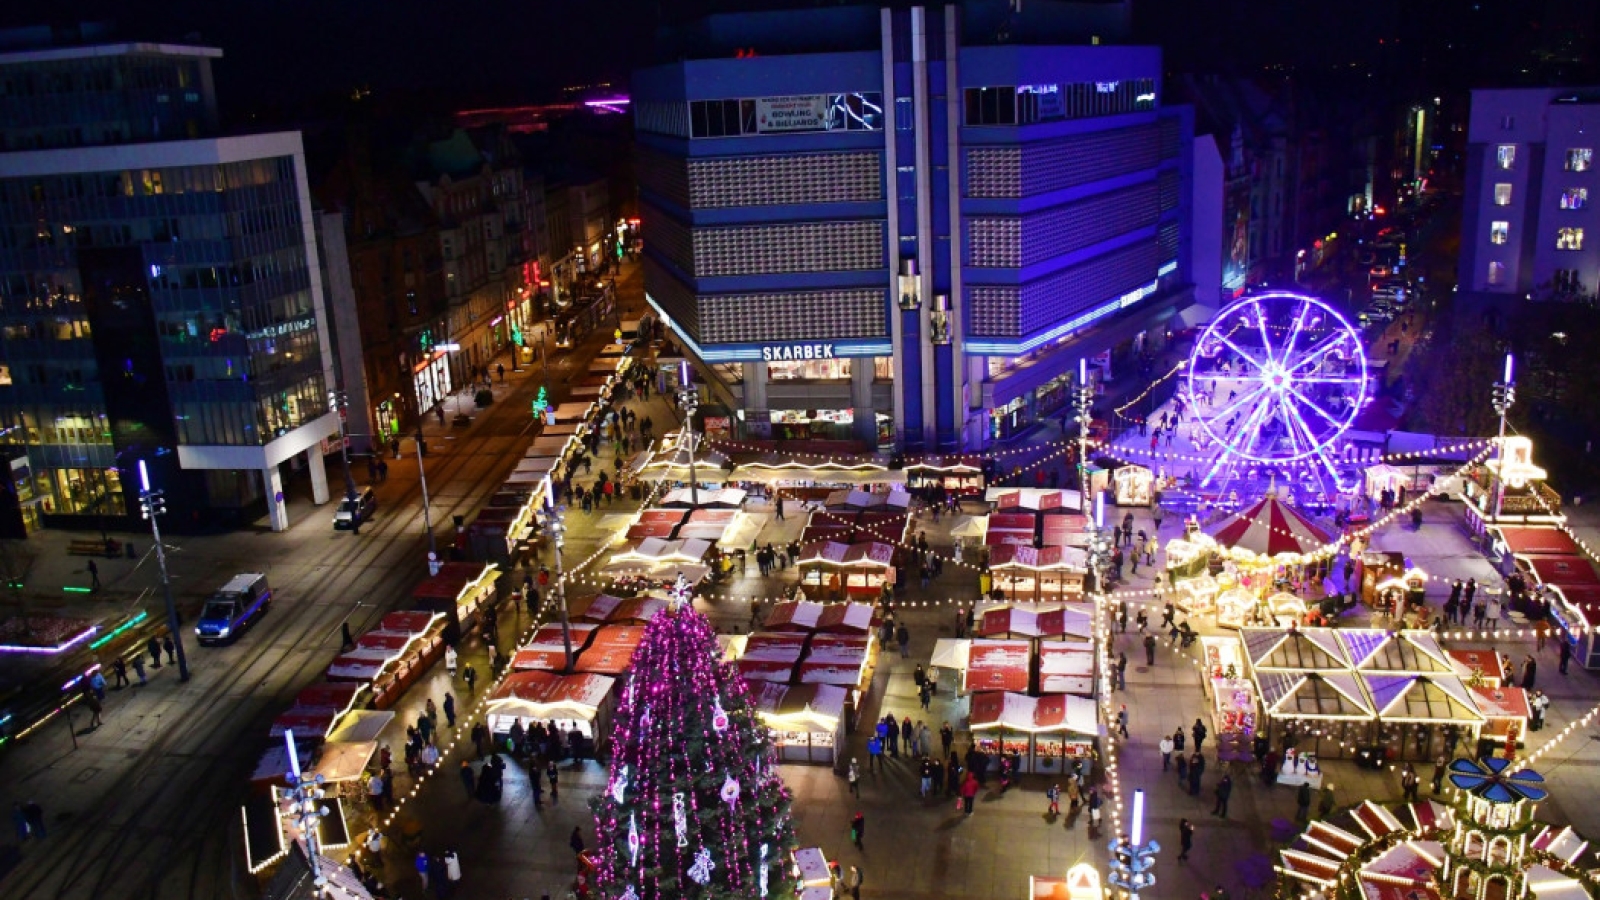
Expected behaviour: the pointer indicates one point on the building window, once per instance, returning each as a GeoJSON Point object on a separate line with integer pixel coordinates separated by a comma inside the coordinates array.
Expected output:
{"type": "Point", "coordinates": [1498, 232]}
{"type": "Point", "coordinates": [857, 111]}
{"type": "Point", "coordinates": [1502, 194]}
{"type": "Point", "coordinates": [1497, 273]}
{"type": "Point", "coordinates": [1506, 154]}
{"type": "Point", "coordinates": [1579, 159]}
{"type": "Point", "coordinates": [992, 106]}
{"type": "Point", "coordinates": [1574, 198]}
{"type": "Point", "coordinates": [1569, 238]}
{"type": "Point", "coordinates": [809, 370]}
{"type": "Point", "coordinates": [1566, 281]}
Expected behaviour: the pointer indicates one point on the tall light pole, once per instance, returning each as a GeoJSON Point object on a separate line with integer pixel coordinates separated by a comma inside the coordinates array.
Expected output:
{"type": "Point", "coordinates": [1085, 402]}
{"type": "Point", "coordinates": [558, 530]}
{"type": "Point", "coordinates": [1504, 394]}
{"type": "Point", "coordinates": [427, 515]}
{"type": "Point", "coordinates": [306, 810]}
{"type": "Point", "coordinates": [153, 504]}
{"type": "Point", "coordinates": [340, 402]}
{"type": "Point", "coordinates": [690, 398]}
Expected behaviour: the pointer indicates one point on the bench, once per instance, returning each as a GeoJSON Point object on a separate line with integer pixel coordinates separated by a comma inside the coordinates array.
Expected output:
{"type": "Point", "coordinates": [95, 547]}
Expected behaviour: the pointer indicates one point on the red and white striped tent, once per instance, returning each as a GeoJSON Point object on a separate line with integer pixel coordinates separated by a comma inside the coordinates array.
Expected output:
{"type": "Point", "coordinates": [1269, 527]}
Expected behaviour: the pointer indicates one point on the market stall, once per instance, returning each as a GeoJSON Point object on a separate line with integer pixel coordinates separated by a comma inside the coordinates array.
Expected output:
{"type": "Point", "coordinates": [837, 660]}
{"type": "Point", "coordinates": [1038, 574]}
{"type": "Point", "coordinates": [1383, 481]}
{"type": "Point", "coordinates": [807, 720]}
{"type": "Point", "coordinates": [1133, 485]}
{"type": "Point", "coordinates": [770, 656]}
{"type": "Point", "coordinates": [794, 616]}
{"type": "Point", "coordinates": [459, 591]}
{"type": "Point", "coordinates": [1059, 621]}
{"type": "Point", "coordinates": [546, 650]}
{"type": "Point", "coordinates": [1232, 695]}
{"type": "Point", "coordinates": [727, 498]}
{"type": "Point", "coordinates": [610, 650]}
{"type": "Point", "coordinates": [846, 619]}
{"type": "Point", "coordinates": [1575, 588]}
{"type": "Point", "coordinates": [1270, 527]}
{"type": "Point", "coordinates": [581, 702]}
{"type": "Point", "coordinates": [1066, 668]}
{"type": "Point", "coordinates": [1323, 714]}
{"type": "Point", "coordinates": [1044, 731]}
{"type": "Point", "coordinates": [1415, 711]}
{"type": "Point", "coordinates": [1009, 499]}
{"type": "Point", "coordinates": [1478, 668]}
{"type": "Point", "coordinates": [393, 656]}
{"type": "Point", "coordinates": [1505, 714]}
{"type": "Point", "coordinates": [998, 666]}
{"type": "Point", "coordinates": [962, 476]}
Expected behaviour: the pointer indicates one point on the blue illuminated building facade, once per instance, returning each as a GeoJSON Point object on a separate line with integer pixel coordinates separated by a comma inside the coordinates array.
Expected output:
{"type": "Point", "coordinates": [905, 226]}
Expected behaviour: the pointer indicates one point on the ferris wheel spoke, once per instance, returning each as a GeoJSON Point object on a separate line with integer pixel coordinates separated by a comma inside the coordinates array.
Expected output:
{"type": "Point", "coordinates": [1317, 352]}
{"type": "Point", "coordinates": [1298, 426]}
{"type": "Point", "coordinates": [1251, 430]}
{"type": "Point", "coordinates": [1328, 379]}
{"type": "Point", "coordinates": [1261, 326]}
{"type": "Point", "coordinates": [1254, 363]}
{"type": "Point", "coordinates": [1250, 395]}
{"type": "Point", "coordinates": [1294, 332]}
{"type": "Point", "coordinates": [1315, 407]}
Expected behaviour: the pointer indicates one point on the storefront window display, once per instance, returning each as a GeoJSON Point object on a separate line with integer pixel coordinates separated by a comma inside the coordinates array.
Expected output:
{"type": "Point", "coordinates": [78, 492]}
{"type": "Point", "coordinates": [433, 382]}
{"type": "Point", "coordinates": [803, 424]}
{"type": "Point", "coordinates": [828, 369]}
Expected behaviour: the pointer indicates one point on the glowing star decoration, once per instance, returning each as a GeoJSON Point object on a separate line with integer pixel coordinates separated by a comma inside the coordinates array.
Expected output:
{"type": "Point", "coordinates": [1276, 379]}
{"type": "Point", "coordinates": [701, 870]}
{"type": "Point", "coordinates": [763, 876]}
{"type": "Point", "coordinates": [680, 820]}
{"type": "Point", "coordinates": [620, 785]}
{"type": "Point", "coordinates": [634, 844]}
{"type": "Point", "coordinates": [719, 718]}
{"type": "Point", "coordinates": [730, 791]}
{"type": "Point", "coordinates": [629, 894]}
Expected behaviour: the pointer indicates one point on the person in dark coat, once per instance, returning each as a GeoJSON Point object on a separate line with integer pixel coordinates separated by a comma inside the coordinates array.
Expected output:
{"type": "Point", "coordinates": [1197, 767]}
{"type": "Point", "coordinates": [1530, 671]}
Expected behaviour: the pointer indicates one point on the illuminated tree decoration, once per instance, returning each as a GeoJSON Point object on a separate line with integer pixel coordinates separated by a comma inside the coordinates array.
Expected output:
{"type": "Point", "coordinates": [667, 754]}
{"type": "Point", "coordinates": [1285, 376]}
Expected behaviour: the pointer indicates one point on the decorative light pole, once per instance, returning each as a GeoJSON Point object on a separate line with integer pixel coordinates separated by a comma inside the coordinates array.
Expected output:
{"type": "Point", "coordinates": [152, 504]}
{"type": "Point", "coordinates": [340, 402]}
{"type": "Point", "coordinates": [427, 514]}
{"type": "Point", "coordinates": [1085, 401]}
{"type": "Point", "coordinates": [1502, 396]}
{"type": "Point", "coordinates": [690, 400]}
{"type": "Point", "coordinates": [558, 530]}
{"type": "Point", "coordinates": [1131, 857]}
{"type": "Point", "coordinates": [306, 810]}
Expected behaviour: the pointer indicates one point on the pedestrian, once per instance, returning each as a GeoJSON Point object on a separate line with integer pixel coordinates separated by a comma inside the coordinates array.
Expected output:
{"type": "Point", "coordinates": [1302, 803]}
{"type": "Point", "coordinates": [1122, 671]}
{"type": "Point", "coordinates": [969, 790]}
{"type": "Point", "coordinates": [1122, 720]}
{"type": "Point", "coordinates": [423, 864]}
{"type": "Point", "coordinates": [1439, 767]}
{"type": "Point", "coordinates": [119, 669]}
{"type": "Point", "coordinates": [902, 636]}
{"type": "Point", "coordinates": [853, 881]}
{"type": "Point", "coordinates": [375, 791]}
{"type": "Point", "coordinates": [97, 683]}
{"type": "Point", "coordinates": [1409, 782]}
{"type": "Point", "coordinates": [1530, 670]}
{"type": "Point", "coordinates": [551, 773]}
{"type": "Point", "coordinates": [1183, 769]}
{"type": "Point", "coordinates": [1094, 803]}
{"type": "Point", "coordinates": [1224, 789]}
{"type": "Point", "coordinates": [154, 646]}
{"type": "Point", "coordinates": [1185, 839]}
{"type": "Point", "coordinates": [947, 736]}
{"type": "Point", "coordinates": [452, 861]}
{"type": "Point", "coordinates": [1149, 648]}
{"type": "Point", "coordinates": [1177, 741]}
{"type": "Point", "coordinates": [1537, 704]}
{"type": "Point", "coordinates": [854, 778]}
{"type": "Point", "coordinates": [501, 370]}
{"type": "Point", "coordinates": [468, 780]}
{"type": "Point", "coordinates": [346, 641]}
{"type": "Point", "coordinates": [1053, 794]}
{"type": "Point", "coordinates": [1565, 649]}
{"type": "Point", "coordinates": [450, 709]}
{"type": "Point", "coordinates": [874, 753]}
{"type": "Point", "coordinates": [576, 841]}
{"type": "Point", "coordinates": [858, 830]}
{"type": "Point", "coordinates": [470, 675]}
{"type": "Point", "coordinates": [138, 668]}
{"type": "Point", "coordinates": [95, 708]}
{"type": "Point", "coordinates": [1166, 753]}
{"type": "Point", "coordinates": [925, 783]}
{"type": "Point", "coordinates": [167, 645]}
{"type": "Point", "coordinates": [94, 576]}
{"type": "Point", "coordinates": [1197, 768]}
{"type": "Point", "coordinates": [1199, 732]}
{"type": "Point", "coordinates": [1325, 805]}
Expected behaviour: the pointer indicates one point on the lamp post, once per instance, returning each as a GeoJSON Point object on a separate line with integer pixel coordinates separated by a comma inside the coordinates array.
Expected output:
{"type": "Point", "coordinates": [1085, 400]}
{"type": "Point", "coordinates": [306, 810]}
{"type": "Point", "coordinates": [1132, 858]}
{"type": "Point", "coordinates": [1502, 396]}
{"type": "Point", "coordinates": [690, 398]}
{"type": "Point", "coordinates": [152, 504]}
{"type": "Point", "coordinates": [427, 516]}
{"type": "Point", "coordinates": [558, 529]}
{"type": "Point", "coordinates": [340, 402]}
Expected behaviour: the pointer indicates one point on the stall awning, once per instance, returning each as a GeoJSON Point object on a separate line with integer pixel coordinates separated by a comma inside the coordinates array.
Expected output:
{"type": "Point", "coordinates": [542, 695]}
{"type": "Point", "coordinates": [360, 725]}
{"type": "Point", "coordinates": [1018, 712]}
{"type": "Point", "coordinates": [998, 666]}
{"type": "Point", "coordinates": [344, 760]}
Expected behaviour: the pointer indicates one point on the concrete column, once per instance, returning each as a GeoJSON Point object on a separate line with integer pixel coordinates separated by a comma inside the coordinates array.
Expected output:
{"type": "Point", "coordinates": [319, 475]}
{"type": "Point", "coordinates": [755, 386]}
{"type": "Point", "coordinates": [866, 418]}
{"type": "Point", "coordinates": [277, 509]}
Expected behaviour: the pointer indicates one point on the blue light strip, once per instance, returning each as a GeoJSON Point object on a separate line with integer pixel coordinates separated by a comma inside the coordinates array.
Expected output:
{"type": "Point", "coordinates": [1012, 348]}
{"type": "Point", "coordinates": [726, 353]}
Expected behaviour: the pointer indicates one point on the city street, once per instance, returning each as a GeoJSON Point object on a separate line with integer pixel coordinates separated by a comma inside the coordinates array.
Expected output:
{"type": "Point", "coordinates": [148, 804]}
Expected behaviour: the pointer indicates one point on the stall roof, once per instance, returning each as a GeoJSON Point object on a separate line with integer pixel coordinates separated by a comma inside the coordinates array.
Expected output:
{"type": "Point", "coordinates": [560, 429]}
{"type": "Point", "coordinates": [571, 412]}
{"type": "Point", "coordinates": [666, 516]}
{"type": "Point", "coordinates": [1501, 702]}
{"type": "Point", "coordinates": [1306, 649]}
{"type": "Point", "coordinates": [1057, 620]}
{"type": "Point", "coordinates": [332, 695]}
{"type": "Point", "coordinates": [820, 705]}
{"type": "Point", "coordinates": [727, 497]}
{"type": "Point", "coordinates": [1003, 521]}
{"type": "Point", "coordinates": [1018, 712]}
{"type": "Point", "coordinates": [964, 465]}
{"type": "Point", "coordinates": [951, 653]}
{"type": "Point", "coordinates": [544, 695]}
{"type": "Point", "coordinates": [1039, 499]}
{"type": "Point", "coordinates": [1531, 541]}
{"type": "Point", "coordinates": [406, 622]}
{"type": "Point", "coordinates": [970, 527]}
{"type": "Point", "coordinates": [344, 760]}
{"type": "Point", "coordinates": [1066, 668]}
{"type": "Point", "coordinates": [659, 550]}
{"type": "Point", "coordinates": [998, 666]}
{"type": "Point", "coordinates": [1313, 695]}
{"type": "Point", "coordinates": [701, 531]}
{"type": "Point", "coordinates": [1422, 698]}
{"type": "Point", "coordinates": [637, 610]}
{"type": "Point", "coordinates": [793, 615]}
{"type": "Point", "coordinates": [611, 649]}
{"type": "Point", "coordinates": [823, 552]}
{"type": "Point", "coordinates": [360, 725]}
{"type": "Point", "coordinates": [1563, 570]}
{"type": "Point", "coordinates": [452, 579]}
{"type": "Point", "coordinates": [846, 618]}
{"type": "Point", "coordinates": [1585, 598]}
{"type": "Point", "coordinates": [1410, 652]}
{"type": "Point", "coordinates": [1469, 663]}
{"type": "Point", "coordinates": [643, 531]}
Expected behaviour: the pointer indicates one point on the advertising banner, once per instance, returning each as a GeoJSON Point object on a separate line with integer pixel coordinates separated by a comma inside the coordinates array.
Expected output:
{"type": "Point", "coordinates": [807, 112]}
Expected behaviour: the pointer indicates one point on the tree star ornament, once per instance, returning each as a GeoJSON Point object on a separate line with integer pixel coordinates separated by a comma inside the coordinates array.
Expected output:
{"type": "Point", "coordinates": [701, 870]}
{"type": "Point", "coordinates": [630, 894]}
{"type": "Point", "coordinates": [730, 790]}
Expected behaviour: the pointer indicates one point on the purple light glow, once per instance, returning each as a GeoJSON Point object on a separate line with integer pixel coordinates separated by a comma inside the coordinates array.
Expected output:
{"type": "Point", "coordinates": [615, 101]}
{"type": "Point", "coordinates": [1509, 361]}
{"type": "Point", "coordinates": [77, 639]}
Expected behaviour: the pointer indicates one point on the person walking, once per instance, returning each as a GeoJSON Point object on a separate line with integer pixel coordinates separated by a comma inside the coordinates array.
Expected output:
{"type": "Point", "coordinates": [1224, 790]}
{"type": "Point", "coordinates": [854, 777]}
{"type": "Point", "coordinates": [1565, 649]}
{"type": "Point", "coordinates": [902, 636]}
{"type": "Point", "coordinates": [969, 790]}
{"type": "Point", "coordinates": [171, 648]}
{"type": "Point", "coordinates": [1150, 649]}
{"type": "Point", "coordinates": [1166, 753]}
{"type": "Point", "coordinates": [1325, 805]}
{"type": "Point", "coordinates": [154, 647]}
{"type": "Point", "coordinates": [452, 874]}
{"type": "Point", "coordinates": [1302, 803]}
{"type": "Point", "coordinates": [1199, 732]}
{"type": "Point", "coordinates": [375, 791]}
{"type": "Point", "coordinates": [852, 882]}
{"type": "Point", "coordinates": [1530, 670]}
{"type": "Point", "coordinates": [858, 830]}
{"type": "Point", "coordinates": [1197, 768]}
{"type": "Point", "coordinates": [95, 709]}
{"type": "Point", "coordinates": [1185, 839]}
{"type": "Point", "coordinates": [1122, 671]}
{"type": "Point", "coordinates": [947, 737]}
{"type": "Point", "coordinates": [119, 670]}
{"type": "Point", "coordinates": [1409, 782]}
{"type": "Point", "coordinates": [138, 668]}
{"type": "Point", "coordinates": [1439, 767]}
{"type": "Point", "coordinates": [449, 709]}
{"type": "Point", "coordinates": [1053, 794]}
{"type": "Point", "coordinates": [94, 576]}
{"type": "Point", "coordinates": [468, 780]}
{"type": "Point", "coordinates": [347, 642]}
{"type": "Point", "coordinates": [1122, 720]}
{"type": "Point", "coordinates": [874, 753]}
{"type": "Point", "coordinates": [551, 772]}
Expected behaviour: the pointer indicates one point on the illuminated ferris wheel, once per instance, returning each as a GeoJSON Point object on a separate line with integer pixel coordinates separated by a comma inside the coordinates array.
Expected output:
{"type": "Point", "coordinates": [1275, 379]}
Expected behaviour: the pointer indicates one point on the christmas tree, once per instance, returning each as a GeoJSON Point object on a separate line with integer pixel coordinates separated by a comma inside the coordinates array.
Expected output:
{"type": "Point", "coordinates": [694, 807]}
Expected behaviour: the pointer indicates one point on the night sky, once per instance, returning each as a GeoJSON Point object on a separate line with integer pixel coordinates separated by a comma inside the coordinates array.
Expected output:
{"type": "Point", "coordinates": [280, 54]}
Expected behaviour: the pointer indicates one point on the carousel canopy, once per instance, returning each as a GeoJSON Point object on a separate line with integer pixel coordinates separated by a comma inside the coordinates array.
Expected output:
{"type": "Point", "coordinates": [1395, 652]}
{"type": "Point", "coordinates": [1419, 698]}
{"type": "Point", "coordinates": [1302, 650]}
{"type": "Point", "coordinates": [1269, 527]}
{"type": "Point", "coordinates": [1312, 695]}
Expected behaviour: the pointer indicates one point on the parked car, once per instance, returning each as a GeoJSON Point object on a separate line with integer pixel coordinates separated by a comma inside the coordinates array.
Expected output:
{"type": "Point", "coordinates": [233, 608]}
{"type": "Point", "coordinates": [355, 511]}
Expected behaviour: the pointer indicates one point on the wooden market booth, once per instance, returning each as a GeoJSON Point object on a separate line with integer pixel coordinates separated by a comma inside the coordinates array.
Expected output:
{"type": "Point", "coordinates": [1045, 731]}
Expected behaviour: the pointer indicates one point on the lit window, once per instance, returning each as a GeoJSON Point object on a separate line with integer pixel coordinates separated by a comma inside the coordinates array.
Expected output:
{"type": "Point", "coordinates": [1498, 232]}
{"type": "Point", "coordinates": [1507, 155]}
{"type": "Point", "coordinates": [1579, 159]}
{"type": "Point", "coordinates": [1497, 273]}
{"type": "Point", "coordinates": [1574, 198]}
{"type": "Point", "coordinates": [1569, 238]}
{"type": "Point", "coordinates": [1502, 195]}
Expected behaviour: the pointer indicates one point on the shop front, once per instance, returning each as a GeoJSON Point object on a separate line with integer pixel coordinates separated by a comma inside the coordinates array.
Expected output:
{"type": "Point", "coordinates": [431, 380]}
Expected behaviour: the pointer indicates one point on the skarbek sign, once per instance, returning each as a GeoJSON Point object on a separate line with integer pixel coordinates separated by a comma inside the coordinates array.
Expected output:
{"type": "Point", "coordinates": [796, 351]}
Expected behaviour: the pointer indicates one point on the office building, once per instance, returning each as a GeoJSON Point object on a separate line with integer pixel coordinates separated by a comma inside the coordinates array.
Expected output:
{"type": "Point", "coordinates": [905, 226]}
{"type": "Point", "coordinates": [1528, 225]}
{"type": "Point", "coordinates": [159, 295]}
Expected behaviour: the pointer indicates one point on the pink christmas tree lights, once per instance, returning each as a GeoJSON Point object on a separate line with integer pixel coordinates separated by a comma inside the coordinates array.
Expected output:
{"type": "Point", "coordinates": [694, 807]}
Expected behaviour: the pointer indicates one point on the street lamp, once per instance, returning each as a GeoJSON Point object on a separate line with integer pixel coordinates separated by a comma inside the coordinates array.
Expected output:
{"type": "Point", "coordinates": [306, 810]}
{"type": "Point", "coordinates": [1132, 858]}
{"type": "Point", "coordinates": [1501, 397]}
{"type": "Point", "coordinates": [153, 504]}
{"type": "Point", "coordinates": [690, 399]}
{"type": "Point", "coordinates": [427, 513]}
{"type": "Point", "coordinates": [340, 402]}
{"type": "Point", "coordinates": [558, 529]}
